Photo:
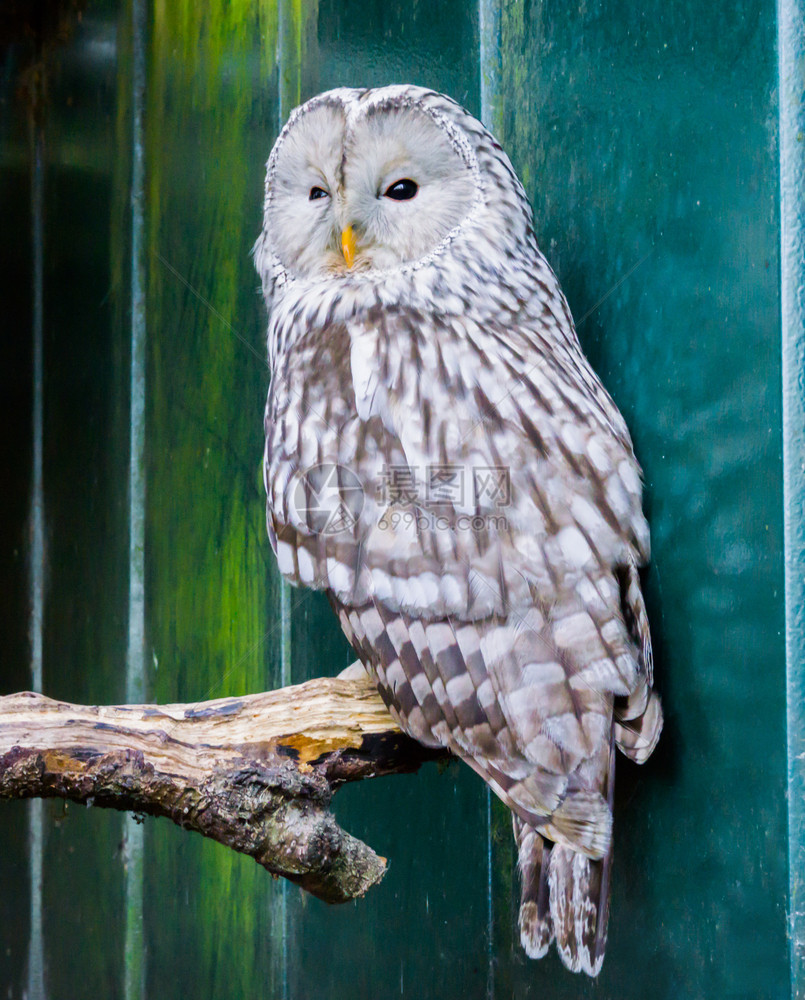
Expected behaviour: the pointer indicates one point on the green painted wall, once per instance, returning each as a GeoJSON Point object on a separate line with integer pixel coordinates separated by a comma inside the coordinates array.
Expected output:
{"type": "Point", "coordinates": [646, 136]}
{"type": "Point", "coordinates": [647, 140]}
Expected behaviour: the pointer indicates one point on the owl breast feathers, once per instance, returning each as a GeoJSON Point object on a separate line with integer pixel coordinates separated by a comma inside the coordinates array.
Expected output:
{"type": "Point", "coordinates": [442, 461]}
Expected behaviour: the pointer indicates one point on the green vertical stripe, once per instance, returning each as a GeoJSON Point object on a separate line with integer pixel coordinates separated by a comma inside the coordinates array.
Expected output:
{"type": "Point", "coordinates": [491, 63]}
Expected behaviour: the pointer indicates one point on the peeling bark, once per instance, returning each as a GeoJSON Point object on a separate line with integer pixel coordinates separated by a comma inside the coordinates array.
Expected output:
{"type": "Point", "coordinates": [255, 773]}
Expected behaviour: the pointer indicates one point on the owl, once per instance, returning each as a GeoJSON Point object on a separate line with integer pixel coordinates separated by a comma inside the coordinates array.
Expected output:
{"type": "Point", "coordinates": [441, 461]}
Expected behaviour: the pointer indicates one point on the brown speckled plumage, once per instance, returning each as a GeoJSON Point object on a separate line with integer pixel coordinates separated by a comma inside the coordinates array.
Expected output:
{"type": "Point", "coordinates": [509, 627]}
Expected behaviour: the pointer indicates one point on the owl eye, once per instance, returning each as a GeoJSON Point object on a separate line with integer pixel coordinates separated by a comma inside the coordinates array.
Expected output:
{"type": "Point", "coordinates": [402, 190]}
{"type": "Point", "coordinates": [317, 192]}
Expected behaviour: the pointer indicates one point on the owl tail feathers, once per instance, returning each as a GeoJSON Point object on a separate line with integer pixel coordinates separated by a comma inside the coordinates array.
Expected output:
{"type": "Point", "coordinates": [579, 898]}
{"type": "Point", "coordinates": [582, 822]}
{"type": "Point", "coordinates": [536, 925]}
{"type": "Point", "coordinates": [565, 898]}
{"type": "Point", "coordinates": [565, 893]}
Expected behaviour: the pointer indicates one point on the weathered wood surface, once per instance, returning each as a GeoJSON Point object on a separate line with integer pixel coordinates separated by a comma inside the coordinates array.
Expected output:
{"type": "Point", "coordinates": [255, 773]}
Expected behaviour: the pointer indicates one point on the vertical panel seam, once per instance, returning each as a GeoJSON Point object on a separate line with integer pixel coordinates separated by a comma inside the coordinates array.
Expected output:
{"type": "Point", "coordinates": [791, 69]}
{"type": "Point", "coordinates": [134, 960]}
{"type": "Point", "coordinates": [36, 814]}
{"type": "Point", "coordinates": [490, 60]}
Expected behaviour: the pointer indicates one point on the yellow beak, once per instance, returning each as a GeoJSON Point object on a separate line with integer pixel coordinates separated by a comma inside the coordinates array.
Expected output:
{"type": "Point", "coordinates": [348, 245]}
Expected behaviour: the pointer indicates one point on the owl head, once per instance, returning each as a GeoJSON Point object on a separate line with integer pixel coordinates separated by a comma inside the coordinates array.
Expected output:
{"type": "Point", "coordinates": [366, 183]}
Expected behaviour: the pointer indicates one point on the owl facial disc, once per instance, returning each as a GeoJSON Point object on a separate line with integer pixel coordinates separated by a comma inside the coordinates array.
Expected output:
{"type": "Point", "coordinates": [394, 173]}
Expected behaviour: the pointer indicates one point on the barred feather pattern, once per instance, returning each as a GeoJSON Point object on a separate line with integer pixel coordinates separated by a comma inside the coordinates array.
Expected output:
{"type": "Point", "coordinates": [513, 633]}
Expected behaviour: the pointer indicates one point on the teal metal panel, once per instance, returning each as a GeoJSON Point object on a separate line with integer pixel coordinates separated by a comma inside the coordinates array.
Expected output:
{"type": "Point", "coordinates": [647, 138]}
{"type": "Point", "coordinates": [16, 451]}
{"type": "Point", "coordinates": [63, 603]}
{"type": "Point", "coordinates": [84, 457]}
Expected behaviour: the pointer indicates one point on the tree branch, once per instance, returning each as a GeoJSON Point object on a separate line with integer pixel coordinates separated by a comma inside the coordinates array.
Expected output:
{"type": "Point", "coordinates": [255, 773]}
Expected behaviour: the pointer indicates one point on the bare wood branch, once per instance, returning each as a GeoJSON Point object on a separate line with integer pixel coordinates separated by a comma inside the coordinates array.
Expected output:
{"type": "Point", "coordinates": [255, 773]}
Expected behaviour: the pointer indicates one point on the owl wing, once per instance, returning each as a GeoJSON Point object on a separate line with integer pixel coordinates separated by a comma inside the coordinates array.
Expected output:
{"type": "Point", "coordinates": [379, 397]}
{"type": "Point", "coordinates": [493, 615]}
